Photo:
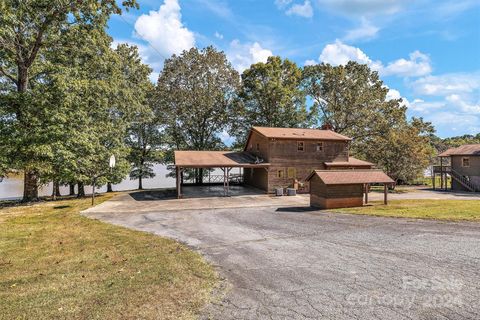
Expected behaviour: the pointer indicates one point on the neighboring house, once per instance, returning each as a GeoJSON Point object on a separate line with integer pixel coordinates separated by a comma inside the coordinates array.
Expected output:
{"type": "Point", "coordinates": [463, 167]}
{"type": "Point", "coordinates": [293, 154]}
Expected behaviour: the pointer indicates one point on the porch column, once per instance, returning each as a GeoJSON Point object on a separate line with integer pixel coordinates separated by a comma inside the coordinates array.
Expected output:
{"type": "Point", "coordinates": [179, 191]}
{"type": "Point", "coordinates": [385, 193]}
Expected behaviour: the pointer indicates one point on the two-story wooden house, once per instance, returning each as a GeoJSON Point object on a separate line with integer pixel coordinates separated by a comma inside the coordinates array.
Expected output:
{"type": "Point", "coordinates": [275, 157]}
{"type": "Point", "coordinates": [462, 165]}
{"type": "Point", "coordinates": [293, 154]}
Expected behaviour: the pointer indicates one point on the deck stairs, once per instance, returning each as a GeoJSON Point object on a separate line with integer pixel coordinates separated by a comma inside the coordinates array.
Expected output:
{"type": "Point", "coordinates": [469, 185]}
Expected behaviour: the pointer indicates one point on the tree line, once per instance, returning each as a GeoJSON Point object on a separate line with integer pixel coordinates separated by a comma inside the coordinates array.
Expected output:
{"type": "Point", "coordinates": [69, 100]}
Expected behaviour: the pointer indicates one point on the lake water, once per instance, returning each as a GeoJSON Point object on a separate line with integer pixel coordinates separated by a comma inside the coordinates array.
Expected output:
{"type": "Point", "coordinates": [12, 188]}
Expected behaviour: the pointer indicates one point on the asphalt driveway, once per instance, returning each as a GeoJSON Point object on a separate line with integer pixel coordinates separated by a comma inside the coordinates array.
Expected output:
{"type": "Point", "coordinates": [291, 263]}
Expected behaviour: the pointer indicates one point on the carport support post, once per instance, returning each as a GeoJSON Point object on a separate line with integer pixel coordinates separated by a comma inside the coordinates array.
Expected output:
{"type": "Point", "coordinates": [366, 193]}
{"type": "Point", "coordinates": [179, 191]}
{"type": "Point", "coordinates": [385, 193]}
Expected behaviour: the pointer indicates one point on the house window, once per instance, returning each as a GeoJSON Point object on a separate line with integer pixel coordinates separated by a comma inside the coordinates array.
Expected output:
{"type": "Point", "coordinates": [281, 173]}
{"type": "Point", "coordinates": [258, 146]}
{"type": "Point", "coordinates": [319, 146]}
{"type": "Point", "coordinates": [291, 173]}
{"type": "Point", "coordinates": [300, 146]}
{"type": "Point", "coordinates": [465, 162]}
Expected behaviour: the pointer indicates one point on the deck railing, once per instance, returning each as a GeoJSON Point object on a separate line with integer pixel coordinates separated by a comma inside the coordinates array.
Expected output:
{"type": "Point", "coordinates": [218, 178]}
{"type": "Point", "coordinates": [442, 169]}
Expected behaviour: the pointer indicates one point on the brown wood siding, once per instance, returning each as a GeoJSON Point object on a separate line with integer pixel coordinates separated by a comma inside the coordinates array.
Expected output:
{"type": "Point", "coordinates": [284, 151]}
{"type": "Point", "coordinates": [301, 173]}
{"type": "Point", "coordinates": [262, 142]}
{"type": "Point", "coordinates": [335, 196]}
{"type": "Point", "coordinates": [282, 154]}
{"type": "Point", "coordinates": [473, 171]}
{"type": "Point", "coordinates": [256, 177]}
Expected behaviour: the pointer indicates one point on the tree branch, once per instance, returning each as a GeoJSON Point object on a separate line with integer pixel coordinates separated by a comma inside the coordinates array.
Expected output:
{"type": "Point", "coordinates": [9, 76]}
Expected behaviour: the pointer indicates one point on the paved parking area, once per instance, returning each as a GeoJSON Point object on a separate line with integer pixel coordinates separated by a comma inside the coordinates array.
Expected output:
{"type": "Point", "coordinates": [285, 262]}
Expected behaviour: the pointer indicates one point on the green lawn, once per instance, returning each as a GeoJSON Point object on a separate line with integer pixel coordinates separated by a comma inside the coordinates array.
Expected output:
{"type": "Point", "coordinates": [56, 264]}
{"type": "Point", "coordinates": [425, 209]}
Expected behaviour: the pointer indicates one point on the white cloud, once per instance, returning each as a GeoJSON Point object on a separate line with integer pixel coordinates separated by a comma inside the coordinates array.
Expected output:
{"type": "Point", "coordinates": [310, 62]}
{"type": "Point", "coordinates": [281, 4]}
{"type": "Point", "coordinates": [226, 138]}
{"type": "Point", "coordinates": [417, 65]}
{"type": "Point", "coordinates": [364, 32]}
{"type": "Point", "coordinates": [303, 10]}
{"type": "Point", "coordinates": [450, 83]}
{"type": "Point", "coordinates": [164, 30]}
{"type": "Point", "coordinates": [463, 105]}
{"type": "Point", "coordinates": [339, 53]}
{"type": "Point", "coordinates": [218, 35]}
{"type": "Point", "coordinates": [423, 106]}
{"type": "Point", "coordinates": [244, 55]}
{"type": "Point", "coordinates": [394, 94]}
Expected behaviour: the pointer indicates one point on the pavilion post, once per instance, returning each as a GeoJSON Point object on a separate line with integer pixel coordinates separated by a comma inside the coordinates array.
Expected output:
{"type": "Point", "coordinates": [366, 193]}
{"type": "Point", "coordinates": [385, 193]}
{"type": "Point", "coordinates": [228, 180]}
{"type": "Point", "coordinates": [179, 191]}
{"type": "Point", "coordinates": [224, 182]}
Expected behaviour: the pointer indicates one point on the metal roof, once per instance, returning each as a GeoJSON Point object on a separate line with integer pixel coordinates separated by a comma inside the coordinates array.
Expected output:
{"type": "Point", "coordinates": [351, 162]}
{"type": "Point", "coordinates": [332, 177]}
{"type": "Point", "coordinates": [465, 150]}
{"type": "Point", "coordinates": [300, 133]}
{"type": "Point", "coordinates": [217, 159]}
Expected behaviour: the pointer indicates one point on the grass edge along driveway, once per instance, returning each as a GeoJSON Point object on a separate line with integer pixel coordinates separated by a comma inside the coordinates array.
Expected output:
{"type": "Point", "coordinates": [57, 264]}
{"type": "Point", "coordinates": [421, 209]}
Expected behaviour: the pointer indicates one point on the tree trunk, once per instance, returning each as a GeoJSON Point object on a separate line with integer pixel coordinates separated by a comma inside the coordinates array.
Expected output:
{"type": "Point", "coordinates": [140, 184]}
{"type": "Point", "coordinates": [200, 176]}
{"type": "Point", "coordinates": [72, 189]}
{"type": "Point", "coordinates": [56, 190]}
{"type": "Point", "coordinates": [30, 180]}
{"type": "Point", "coordinates": [109, 187]}
{"type": "Point", "coordinates": [30, 186]}
{"type": "Point", "coordinates": [81, 190]}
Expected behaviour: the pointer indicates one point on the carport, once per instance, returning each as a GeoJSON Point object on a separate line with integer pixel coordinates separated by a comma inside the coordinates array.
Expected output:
{"type": "Point", "coordinates": [224, 160]}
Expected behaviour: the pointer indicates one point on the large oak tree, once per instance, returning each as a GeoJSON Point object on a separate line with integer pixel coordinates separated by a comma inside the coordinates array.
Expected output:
{"type": "Point", "coordinates": [29, 31]}
{"type": "Point", "coordinates": [270, 96]}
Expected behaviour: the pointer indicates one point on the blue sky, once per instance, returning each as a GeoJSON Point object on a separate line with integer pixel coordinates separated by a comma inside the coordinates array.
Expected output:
{"type": "Point", "coordinates": [426, 51]}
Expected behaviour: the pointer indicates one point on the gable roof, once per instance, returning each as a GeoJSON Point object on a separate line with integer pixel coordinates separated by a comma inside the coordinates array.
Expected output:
{"type": "Point", "coordinates": [352, 162]}
{"type": "Point", "coordinates": [299, 133]}
{"type": "Point", "coordinates": [216, 159]}
{"type": "Point", "coordinates": [332, 177]}
{"type": "Point", "coordinates": [465, 150]}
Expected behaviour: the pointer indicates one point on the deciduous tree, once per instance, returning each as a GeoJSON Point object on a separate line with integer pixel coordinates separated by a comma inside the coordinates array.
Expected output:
{"type": "Point", "coordinates": [29, 30]}
{"type": "Point", "coordinates": [352, 99]}
{"type": "Point", "coordinates": [405, 152]}
{"type": "Point", "coordinates": [270, 96]}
